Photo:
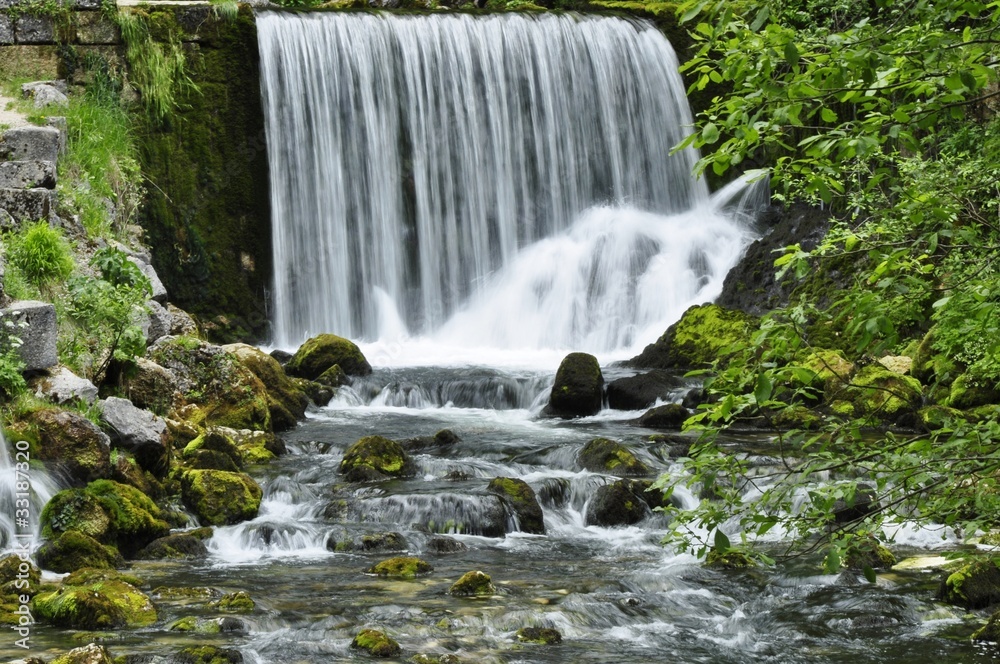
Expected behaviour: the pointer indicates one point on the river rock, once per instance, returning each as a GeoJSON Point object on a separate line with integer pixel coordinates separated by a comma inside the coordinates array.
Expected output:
{"type": "Point", "coordinates": [73, 444]}
{"type": "Point", "coordinates": [237, 602]}
{"type": "Point", "coordinates": [95, 600]}
{"type": "Point", "coordinates": [622, 503]}
{"type": "Point", "coordinates": [207, 655]}
{"type": "Point", "coordinates": [578, 387]}
{"type": "Point", "coordinates": [864, 502]}
{"type": "Point", "coordinates": [669, 416]}
{"type": "Point", "coordinates": [404, 567]}
{"type": "Point", "coordinates": [88, 654]}
{"type": "Point", "coordinates": [375, 454]}
{"type": "Point", "coordinates": [320, 353]}
{"type": "Point", "coordinates": [879, 393]}
{"type": "Point", "coordinates": [601, 455]}
{"type": "Point", "coordinates": [30, 144]}
{"type": "Point", "coordinates": [974, 585]}
{"type": "Point", "coordinates": [445, 545]}
{"type": "Point", "coordinates": [150, 386]}
{"type": "Point", "coordinates": [73, 550]}
{"type": "Point", "coordinates": [137, 431]}
{"type": "Point", "coordinates": [286, 401]}
{"type": "Point", "coordinates": [62, 386]}
{"type": "Point", "coordinates": [215, 441]}
{"type": "Point", "coordinates": [35, 325]}
{"type": "Point", "coordinates": [519, 498]}
{"type": "Point", "coordinates": [545, 636]}
{"type": "Point", "coordinates": [376, 643]}
{"type": "Point", "coordinates": [184, 546]}
{"type": "Point", "coordinates": [220, 498]}
{"type": "Point", "coordinates": [473, 584]}
{"type": "Point", "coordinates": [643, 390]}
{"type": "Point", "coordinates": [866, 551]}
{"type": "Point", "coordinates": [697, 339]}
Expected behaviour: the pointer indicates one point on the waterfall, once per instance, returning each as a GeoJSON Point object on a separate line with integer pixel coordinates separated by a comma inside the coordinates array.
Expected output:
{"type": "Point", "coordinates": [414, 159]}
{"type": "Point", "coordinates": [24, 491]}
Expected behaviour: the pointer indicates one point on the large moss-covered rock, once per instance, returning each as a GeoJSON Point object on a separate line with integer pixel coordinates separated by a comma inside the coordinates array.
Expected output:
{"type": "Point", "coordinates": [729, 559]}
{"type": "Point", "coordinates": [150, 386]}
{"type": "Point", "coordinates": [877, 392]}
{"type": "Point", "coordinates": [208, 655]}
{"type": "Point", "coordinates": [620, 503]}
{"type": "Point", "coordinates": [376, 643]}
{"type": "Point", "coordinates": [473, 584]}
{"type": "Point", "coordinates": [373, 456]}
{"type": "Point", "coordinates": [967, 392]}
{"type": "Point", "coordinates": [72, 550]}
{"type": "Point", "coordinates": [285, 399]}
{"type": "Point", "coordinates": [216, 441]}
{"type": "Point", "coordinates": [404, 567]}
{"type": "Point", "coordinates": [178, 546]}
{"type": "Point", "coordinates": [931, 366]}
{"type": "Point", "coordinates": [606, 456]}
{"type": "Point", "coordinates": [519, 498]}
{"type": "Point", "coordinates": [867, 551]}
{"type": "Point", "coordinates": [699, 338]}
{"type": "Point", "coordinates": [990, 632]}
{"type": "Point", "coordinates": [110, 512]}
{"type": "Point", "coordinates": [831, 368]}
{"type": "Point", "coordinates": [578, 389]}
{"type": "Point", "coordinates": [543, 636]}
{"type": "Point", "coordinates": [73, 444]}
{"type": "Point", "coordinates": [88, 654]}
{"type": "Point", "coordinates": [974, 585]}
{"type": "Point", "coordinates": [237, 602]}
{"type": "Point", "coordinates": [218, 390]}
{"type": "Point", "coordinates": [19, 578]}
{"type": "Point", "coordinates": [220, 498]}
{"type": "Point", "coordinates": [95, 600]}
{"type": "Point", "coordinates": [320, 353]}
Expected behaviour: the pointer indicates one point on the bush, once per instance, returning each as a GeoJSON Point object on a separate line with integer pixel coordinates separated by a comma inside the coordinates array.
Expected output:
{"type": "Point", "coordinates": [41, 253]}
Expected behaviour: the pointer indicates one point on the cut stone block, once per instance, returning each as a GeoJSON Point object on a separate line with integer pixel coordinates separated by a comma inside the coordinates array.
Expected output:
{"type": "Point", "coordinates": [38, 334]}
{"type": "Point", "coordinates": [27, 175]}
{"type": "Point", "coordinates": [30, 144]}
{"type": "Point", "coordinates": [29, 204]}
{"type": "Point", "coordinates": [32, 29]}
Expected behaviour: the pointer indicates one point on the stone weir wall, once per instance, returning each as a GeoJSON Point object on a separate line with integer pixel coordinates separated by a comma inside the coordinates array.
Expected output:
{"type": "Point", "coordinates": [207, 216]}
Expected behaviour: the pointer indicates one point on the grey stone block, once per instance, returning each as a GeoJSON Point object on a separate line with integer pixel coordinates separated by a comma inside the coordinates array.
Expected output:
{"type": "Point", "coordinates": [59, 122]}
{"type": "Point", "coordinates": [27, 175]}
{"type": "Point", "coordinates": [159, 290]}
{"type": "Point", "coordinates": [63, 386]}
{"type": "Point", "coordinates": [30, 143]}
{"type": "Point", "coordinates": [32, 29]}
{"type": "Point", "coordinates": [38, 334]}
{"type": "Point", "coordinates": [85, 4]}
{"type": "Point", "coordinates": [29, 204]}
{"type": "Point", "coordinates": [137, 431]}
{"type": "Point", "coordinates": [6, 30]}
{"type": "Point", "coordinates": [28, 90]}
{"type": "Point", "coordinates": [93, 28]}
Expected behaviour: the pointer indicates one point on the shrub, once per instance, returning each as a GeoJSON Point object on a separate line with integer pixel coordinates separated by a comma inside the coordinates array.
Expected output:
{"type": "Point", "coordinates": [41, 253]}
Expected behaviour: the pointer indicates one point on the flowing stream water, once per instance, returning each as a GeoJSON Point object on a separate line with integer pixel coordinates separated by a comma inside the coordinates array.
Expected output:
{"type": "Point", "coordinates": [471, 198]}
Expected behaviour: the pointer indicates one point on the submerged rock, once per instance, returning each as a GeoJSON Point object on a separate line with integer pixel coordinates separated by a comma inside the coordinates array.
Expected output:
{"type": "Point", "coordinates": [322, 352]}
{"type": "Point", "coordinates": [473, 584]}
{"type": "Point", "coordinates": [220, 498]}
{"type": "Point", "coordinates": [238, 602]}
{"type": "Point", "coordinates": [521, 501]}
{"type": "Point", "coordinates": [545, 636]}
{"type": "Point", "coordinates": [208, 655]}
{"type": "Point", "coordinates": [402, 567]}
{"type": "Point", "coordinates": [578, 389]}
{"type": "Point", "coordinates": [378, 455]}
{"type": "Point", "coordinates": [376, 643]}
{"type": "Point", "coordinates": [697, 339]}
{"type": "Point", "coordinates": [622, 503]}
{"type": "Point", "coordinates": [989, 632]}
{"type": "Point", "coordinates": [601, 455]}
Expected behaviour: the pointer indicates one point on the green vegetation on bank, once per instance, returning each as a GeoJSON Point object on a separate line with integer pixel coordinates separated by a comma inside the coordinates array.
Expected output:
{"type": "Point", "coordinates": [881, 112]}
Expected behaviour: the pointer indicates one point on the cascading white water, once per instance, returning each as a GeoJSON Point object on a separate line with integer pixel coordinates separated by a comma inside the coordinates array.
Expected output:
{"type": "Point", "coordinates": [414, 161]}
{"type": "Point", "coordinates": [24, 491]}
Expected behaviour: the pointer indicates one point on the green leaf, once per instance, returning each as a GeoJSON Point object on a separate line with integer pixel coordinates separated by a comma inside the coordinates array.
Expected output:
{"type": "Point", "coordinates": [828, 115]}
{"type": "Point", "coordinates": [791, 54]}
{"type": "Point", "coordinates": [869, 573]}
{"type": "Point", "coordinates": [761, 18]}
{"type": "Point", "coordinates": [710, 133]}
{"type": "Point", "coordinates": [831, 564]}
{"type": "Point", "coordinates": [764, 387]}
{"type": "Point", "coordinates": [721, 541]}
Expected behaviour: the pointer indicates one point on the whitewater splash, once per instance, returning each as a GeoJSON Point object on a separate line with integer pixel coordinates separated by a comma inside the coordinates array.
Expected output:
{"type": "Point", "coordinates": [501, 181]}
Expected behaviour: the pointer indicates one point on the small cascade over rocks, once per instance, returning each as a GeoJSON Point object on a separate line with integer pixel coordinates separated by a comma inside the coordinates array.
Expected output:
{"type": "Point", "coordinates": [500, 181]}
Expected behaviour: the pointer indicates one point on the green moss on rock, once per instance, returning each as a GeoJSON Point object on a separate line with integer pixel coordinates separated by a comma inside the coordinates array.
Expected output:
{"type": "Point", "coordinates": [967, 393]}
{"type": "Point", "coordinates": [520, 499]}
{"type": "Point", "coordinates": [72, 550]}
{"type": "Point", "coordinates": [73, 443]}
{"type": "Point", "coordinates": [473, 584]}
{"type": "Point", "coordinates": [667, 416]}
{"type": "Point", "coordinates": [208, 655]}
{"type": "Point", "coordinates": [601, 455]}
{"type": "Point", "coordinates": [220, 498]}
{"type": "Point", "coordinates": [286, 400]}
{"type": "Point", "coordinates": [701, 336]}
{"type": "Point", "coordinates": [867, 551]}
{"type": "Point", "coordinates": [990, 632]}
{"type": "Point", "coordinates": [238, 602]}
{"type": "Point", "coordinates": [973, 585]}
{"type": "Point", "coordinates": [875, 391]}
{"type": "Point", "coordinates": [322, 352]}
{"type": "Point", "coordinates": [731, 559]}
{"type": "Point", "coordinates": [545, 636]}
{"type": "Point", "coordinates": [377, 454]}
{"type": "Point", "coordinates": [578, 389]}
{"type": "Point", "coordinates": [88, 654]}
{"type": "Point", "coordinates": [95, 600]}
{"type": "Point", "coordinates": [798, 417]}
{"type": "Point", "coordinates": [404, 567]}
{"type": "Point", "coordinates": [376, 643]}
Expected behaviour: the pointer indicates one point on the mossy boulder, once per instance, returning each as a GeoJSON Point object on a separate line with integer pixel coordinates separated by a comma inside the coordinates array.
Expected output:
{"type": "Point", "coordinates": [95, 600]}
{"type": "Point", "coordinates": [620, 503]}
{"type": "Point", "coordinates": [473, 584]}
{"type": "Point", "coordinates": [378, 455]}
{"type": "Point", "coordinates": [388, 541]}
{"type": "Point", "coordinates": [88, 654]}
{"type": "Point", "coordinates": [220, 498]}
{"type": "Point", "coordinates": [18, 579]}
{"type": "Point", "coordinates": [193, 624]}
{"type": "Point", "coordinates": [110, 512]}
{"type": "Point", "coordinates": [216, 388]}
{"type": "Point", "coordinates": [578, 389]}
{"type": "Point", "coordinates": [973, 585]}
{"type": "Point", "coordinates": [866, 551]}
{"type": "Point", "coordinates": [208, 655]}
{"type": "Point", "coordinates": [376, 643]}
{"type": "Point", "coordinates": [322, 352]}
{"type": "Point", "coordinates": [877, 392]}
{"type": "Point", "coordinates": [179, 546]}
{"type": "Point", "coordinates": [72, 550]}
{"type": "Point", "coordinates": [729, 559]}
{"type": "Point", "coordinates": [931, 366]}
{"type": "Point", "coordinates": [832, 371]}
{"type": "Point", "coordinates": [333, 377]}
{"type": "Point", "coordinates": [404, 567]}
{"type": "Point", "coordinates": [797, 417]}
{"type": "Point", "coordinates": [544, 636]}
{"type": "Point", "coordinates": [936, 417]}
{"type": "Point", "coordinates": [990, 632]}
{"type": "Point", "coordinates": [214, 441]}
{"type": "Point", "coordinates": [319, 394]}
{"type": "Point", "coordinates": [73, 444]}
{"type": "Point", "coordinates": [520, 499]}
{"type": "Point", "coordinates": [701, 336]}
{"type": "Point", "coordinates": [285, 399]}
{"type": "Point", "coordinates": [668, 416]}
{"type": "Point", "coordinates": [601, 455]}
{"type": "Point", "coordinates": [966, 393]}
{"type": "Point", "coordinates": [237, 602]}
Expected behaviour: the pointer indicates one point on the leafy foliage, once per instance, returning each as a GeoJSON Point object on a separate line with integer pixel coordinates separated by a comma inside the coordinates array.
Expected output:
{"type": "Point", "coordinates": [41, 253]}
{"type": "Point", "coordinates": [11, 365]}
